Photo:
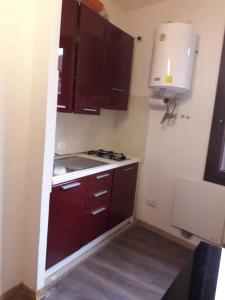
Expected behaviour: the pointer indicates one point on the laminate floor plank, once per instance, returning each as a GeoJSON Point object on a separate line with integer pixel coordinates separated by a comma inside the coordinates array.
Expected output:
{"type": "Point", "coordinates": [137, 265]}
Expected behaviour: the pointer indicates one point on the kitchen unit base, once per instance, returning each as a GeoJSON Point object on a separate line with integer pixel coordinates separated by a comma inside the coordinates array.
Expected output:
{"type": "Point", "coordinates": [60, 269]}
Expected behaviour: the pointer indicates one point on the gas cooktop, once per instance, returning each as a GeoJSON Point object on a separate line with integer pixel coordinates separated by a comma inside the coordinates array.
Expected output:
{"type": "Point", "coordinates": [107, 154]}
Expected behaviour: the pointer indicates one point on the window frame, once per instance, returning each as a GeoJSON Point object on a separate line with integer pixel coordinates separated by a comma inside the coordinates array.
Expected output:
{"type": "Point", "coordinates": [213, 173]}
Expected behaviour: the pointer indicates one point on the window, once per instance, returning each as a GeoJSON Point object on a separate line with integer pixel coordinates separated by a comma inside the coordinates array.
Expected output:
{"type": "Point", "coordinates": [215, 164]}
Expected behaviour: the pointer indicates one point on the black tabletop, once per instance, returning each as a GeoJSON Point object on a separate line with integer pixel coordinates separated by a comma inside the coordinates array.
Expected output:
{"type": "Point", "coordinates": [198, 280]}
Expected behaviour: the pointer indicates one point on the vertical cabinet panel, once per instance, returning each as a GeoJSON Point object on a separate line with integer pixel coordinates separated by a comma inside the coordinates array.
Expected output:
{"type": "Point", "coordinates": [90, 64]}
{"type": "Point", "coordinates": [67, 53]}
{"type": "Point", "coordinates": [66, 216]}
{"type": "Point", "coordinates": [123, 194]}
{"type": "Point", "coordinates": [118, 64]}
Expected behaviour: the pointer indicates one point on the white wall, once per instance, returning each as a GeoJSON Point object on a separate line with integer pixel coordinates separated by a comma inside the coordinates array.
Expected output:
{"type": "Point", "coordinates": [16, 44]}
{"type": "Point", "coordinates": [132, 128]}
{"type": "Point", "coordinates": [41, 139]}
{"type": "Point", "coordinates": [28, 86]}
{"type": "Point", "coordinates": [179, 151]}
{"type": "Point", "coordinates": [116, 15]}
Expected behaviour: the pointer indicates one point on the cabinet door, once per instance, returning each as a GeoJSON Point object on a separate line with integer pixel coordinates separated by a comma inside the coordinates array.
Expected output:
{"type": "Point", "coordinates": [67, 53]}
{"type": "Point", "coordinates": [66, 215]}
{"type": "Point", "coordinates": [123, 194]}
{"type": "Point", "coordinates": [118, 66]}
{"type": "Point", "coordinates": [90, 64]}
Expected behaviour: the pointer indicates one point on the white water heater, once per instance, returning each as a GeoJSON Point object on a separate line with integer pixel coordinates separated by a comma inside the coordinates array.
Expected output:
{"type": "Point", "coordinates": [173, 59]}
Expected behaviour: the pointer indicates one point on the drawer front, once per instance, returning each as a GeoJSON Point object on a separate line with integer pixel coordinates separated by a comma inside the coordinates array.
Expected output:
{"type": "Point", "coordinates": [79, 184]}
{"type": "Point", "coordinates": [98, 199]}
{"type": "Point", "coordinates": [101, 181]}
{"type": "Point", "coordinates": [128, 170]}
{"type": "Point", "coordinates": [95, 224]}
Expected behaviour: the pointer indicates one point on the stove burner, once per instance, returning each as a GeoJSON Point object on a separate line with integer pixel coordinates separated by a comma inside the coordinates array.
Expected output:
{"type": "Point", "coordinates": [118, 156]}
{"type": "Point", "coordinates": [108, 154]}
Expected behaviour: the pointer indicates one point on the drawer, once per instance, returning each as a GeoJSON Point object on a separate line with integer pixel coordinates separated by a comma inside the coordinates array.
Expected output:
{"type": "Point", "coordinates": [101, 181]}
{"type": "Point", "coordinates": [128, 169]}
{"type": "Point", "coordinates": [79, 184]}
{"type": "Point", "coordinates": [95, 224]}
{"type": "Point", "coordinates": [98, 199]}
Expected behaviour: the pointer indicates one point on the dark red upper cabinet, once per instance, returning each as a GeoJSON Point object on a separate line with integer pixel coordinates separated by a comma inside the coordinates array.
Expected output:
{"type": "Point", "coordinates": [67, 54]}
{"type": "Point", "coordinates": [123, 194]}
{"type": "Point", "coordinates": [118, 65]}
{"type": "Point", "coordinates": [90, 64]}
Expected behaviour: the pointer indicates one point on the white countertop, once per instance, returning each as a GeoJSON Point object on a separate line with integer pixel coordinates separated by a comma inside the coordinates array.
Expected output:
{"type": "Point", "coordinates": [111, 164]}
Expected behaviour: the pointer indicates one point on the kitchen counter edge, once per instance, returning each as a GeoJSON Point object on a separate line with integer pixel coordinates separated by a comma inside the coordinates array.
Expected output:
{"type": "Point", "coordinates": [83, 173]}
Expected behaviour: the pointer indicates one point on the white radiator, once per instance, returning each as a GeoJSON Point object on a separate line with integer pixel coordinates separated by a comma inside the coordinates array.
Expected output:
{"type": "Point", "coordinates": [199, 207]}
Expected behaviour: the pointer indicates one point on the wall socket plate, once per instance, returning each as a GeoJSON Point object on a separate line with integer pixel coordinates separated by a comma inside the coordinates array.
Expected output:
{"type": "Point", "coordinates": [61, 145]}
{"type": "Point", "coordinates": [152, 203]}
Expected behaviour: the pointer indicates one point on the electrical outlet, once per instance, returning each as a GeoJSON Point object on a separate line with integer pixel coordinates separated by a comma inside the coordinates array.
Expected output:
{"type": "Point", "coordinates": [152, 203]}
{"type": "Point", "coordinates": [61, 145]}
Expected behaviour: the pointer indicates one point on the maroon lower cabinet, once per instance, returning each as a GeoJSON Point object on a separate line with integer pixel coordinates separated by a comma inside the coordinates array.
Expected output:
{"type": "Point", "coordinates": [66, 217]}
{"type": "Point", "coordinates": [95, 224]}
{"type": "Point", "coordinates": [123, 194]}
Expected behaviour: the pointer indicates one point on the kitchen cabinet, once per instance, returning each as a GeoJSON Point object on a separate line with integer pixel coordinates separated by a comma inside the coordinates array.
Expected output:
{"type": "Point", "coordinates": [67, 55]}
{"type": "Point", "coordinates": [66, 217]}
{"type": "Point", "coordinates": [95, 59]}
{"type": "Point", "coordinates": [118, 63]}
{"type": "Point", "coordinates": [90, 63]}
{"type": "Point", "coordinates": [123, 194]}
{"type": "Point", "coordinates": [81, 210]}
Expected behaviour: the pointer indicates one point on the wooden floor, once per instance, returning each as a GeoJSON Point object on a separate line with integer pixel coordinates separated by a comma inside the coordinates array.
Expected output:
{"type": "Point", "coordinates": [138, 264]}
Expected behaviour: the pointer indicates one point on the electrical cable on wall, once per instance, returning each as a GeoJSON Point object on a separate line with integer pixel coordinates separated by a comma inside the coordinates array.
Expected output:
{"type": "Point", "coordinates": [170, 115]}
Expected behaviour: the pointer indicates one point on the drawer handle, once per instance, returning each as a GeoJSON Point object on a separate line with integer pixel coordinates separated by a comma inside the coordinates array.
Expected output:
{"type": "Point", "coordinates": [70, 186]}
{"type": "Point", "coordinates": [98, 211]}
{"type": "Point", "coordinates": [128, 169]}
{"type": "Point", "coordinates": [118, 90]}
{"type": "Point", "coordinates": [90, 109]}
{"type": "Point", "coordinates": [61, 106]}
{"type": "Point", "coordinates": [102, 176]}
{"type": "Point", "coordinates": [96, 195]}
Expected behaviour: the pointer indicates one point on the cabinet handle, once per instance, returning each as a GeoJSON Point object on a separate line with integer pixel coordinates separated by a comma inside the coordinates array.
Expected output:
{"type": "Point", "coordinates": [98, 211]}
{"type": "Point", "coordinates": [70, 186]}
{"type": "Point", "coordinates": [61, 106]}
{"type": "Point", "coordinates": [128, 169]}
{"type": "Point", "coordinates": [118, 90]}
{"type": "Point", "coordinates": [102, 176]}
{"type": "Point", "coordinates": [97, 195]}
{"type": "Point", "coordinates": [90, 109]}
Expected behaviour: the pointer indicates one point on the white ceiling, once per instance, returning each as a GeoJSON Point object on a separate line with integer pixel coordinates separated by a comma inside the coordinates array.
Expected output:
{"type": "Point", "coordinates": [134, 4]}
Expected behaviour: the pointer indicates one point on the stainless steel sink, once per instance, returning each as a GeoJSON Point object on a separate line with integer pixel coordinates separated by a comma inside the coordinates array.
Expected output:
{"type": "Point", "coordinates": [72, 164]}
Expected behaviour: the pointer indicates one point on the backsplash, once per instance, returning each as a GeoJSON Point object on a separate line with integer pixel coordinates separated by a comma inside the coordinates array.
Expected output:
{"type": "Point", "coordinates": [76, 133]}
{"type": "Point", "coordinates": [121, 131]}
